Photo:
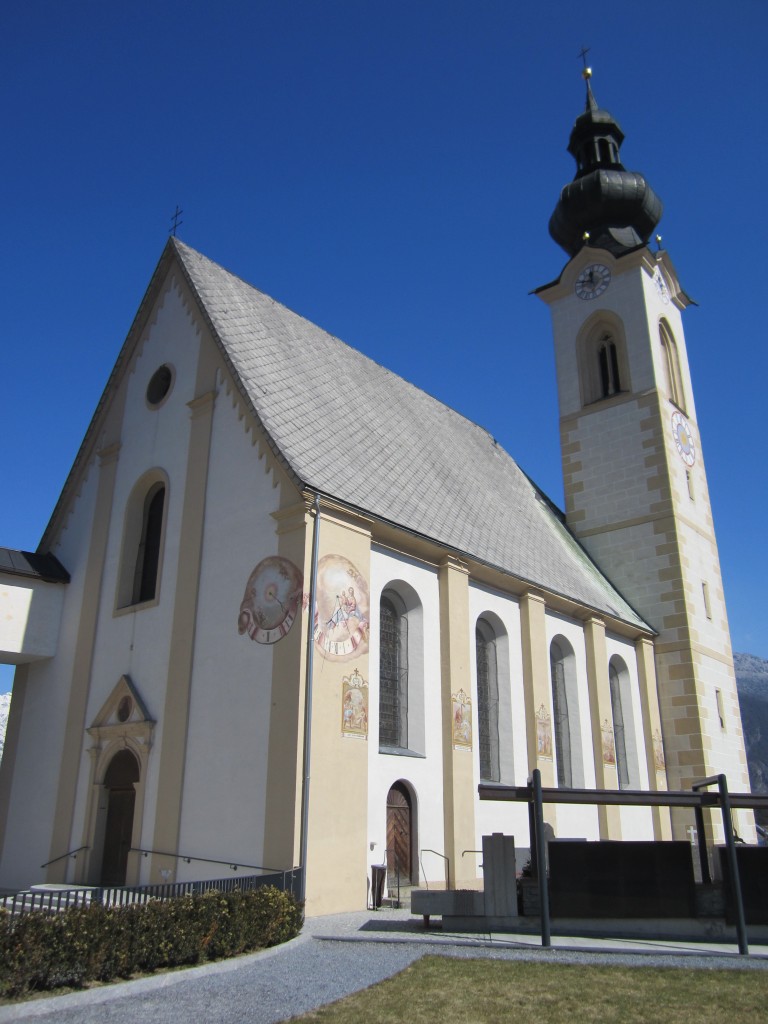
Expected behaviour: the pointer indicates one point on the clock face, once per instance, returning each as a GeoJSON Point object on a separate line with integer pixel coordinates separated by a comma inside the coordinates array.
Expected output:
{"type": "Point", "coordinates": [592, 281]}
{"type": "Point", "coordinates": [271, 601]}
{"type": "Point", "coordinates": [683, 437]}
{"type": "Point", "coordinates": [661, 286]}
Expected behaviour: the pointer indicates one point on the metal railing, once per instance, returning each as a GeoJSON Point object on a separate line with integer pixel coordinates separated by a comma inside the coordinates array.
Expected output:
{"type": "Point", "coordinates": [52, 901]}
{"type": "Point", "coordinates": [70, 853]}
{"type": "Point", "coordinates": [447, 860]}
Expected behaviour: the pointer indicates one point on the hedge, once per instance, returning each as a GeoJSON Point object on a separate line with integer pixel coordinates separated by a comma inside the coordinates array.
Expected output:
{"type": "Point", "coordinates": [43, 951]}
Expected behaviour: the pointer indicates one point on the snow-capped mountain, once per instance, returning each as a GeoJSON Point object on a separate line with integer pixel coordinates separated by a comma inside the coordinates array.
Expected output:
{"type": "Point", "coordinates": [5, 704]}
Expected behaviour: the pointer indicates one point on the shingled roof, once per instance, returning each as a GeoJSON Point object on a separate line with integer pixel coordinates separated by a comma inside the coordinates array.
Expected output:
{"type": "Point", "coordinates": [406, 458]}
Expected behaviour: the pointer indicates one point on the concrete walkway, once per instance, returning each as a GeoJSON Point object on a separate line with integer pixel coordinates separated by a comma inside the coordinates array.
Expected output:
{"type": "Point", "coordinates": [333, 957]}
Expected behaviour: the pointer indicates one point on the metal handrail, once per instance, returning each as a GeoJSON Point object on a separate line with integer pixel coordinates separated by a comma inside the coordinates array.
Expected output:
{"type": "Point", "coordinates": [447, 860]}
{"type": "Point", "coordinates": [188, 858]}
{"type": "Point", "coordinates": [70, 853]}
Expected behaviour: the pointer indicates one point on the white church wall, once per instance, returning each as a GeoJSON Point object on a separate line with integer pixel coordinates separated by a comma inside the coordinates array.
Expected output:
{"type": "Point", "coordinates": [224, 804]}
{"type": "Point", "coordinates": [135, 642]}
{"type": "Point", "coordinates": [38, 758]}
{"type": "Point", "coordinates": [423, 774]}
{"type": "Point", "coordinates": [490, 816]}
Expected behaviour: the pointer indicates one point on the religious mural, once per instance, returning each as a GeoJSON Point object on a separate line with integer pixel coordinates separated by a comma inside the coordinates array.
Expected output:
{"type": "Point", "coordinates": [271, 601]}
{"type": "Point", "coordinates": [462, 720]}
{"type": "Point", "coordinates": [342, 611]}
{"type": "Point", "coordinates": [354, 705]}
{"type": "Point", "coordinates": [544, 733]}
{"type": "Point", "coordinates": [609, 744]}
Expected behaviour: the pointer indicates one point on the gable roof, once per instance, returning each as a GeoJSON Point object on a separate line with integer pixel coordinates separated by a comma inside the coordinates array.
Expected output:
{"type": "Point", "coordinates": [404, 457]}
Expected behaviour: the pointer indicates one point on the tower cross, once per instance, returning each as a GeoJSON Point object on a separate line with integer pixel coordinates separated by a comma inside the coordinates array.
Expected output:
{"type": "Point", "coordinates": [583, 54]}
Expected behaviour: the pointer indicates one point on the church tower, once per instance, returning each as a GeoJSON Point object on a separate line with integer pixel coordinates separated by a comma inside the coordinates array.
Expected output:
{"type": "Point", "coordinates": [635, 486]}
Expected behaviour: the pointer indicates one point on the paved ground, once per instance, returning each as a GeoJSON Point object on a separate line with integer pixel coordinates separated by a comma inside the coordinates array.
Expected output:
{"type": "Point", "coordinates": [333, 957]}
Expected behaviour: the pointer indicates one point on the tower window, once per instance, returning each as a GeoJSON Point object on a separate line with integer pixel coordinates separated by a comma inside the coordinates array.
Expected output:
{"type": "Point", "coordinates": [672, 365]}
{"type": "Point", "coordinates": [608, 358]}
{"type": "Point", "coordinates": [602, 360]}
{"type": "Point", "coordinates": [720, 711]}
{"type": "Point", "coordinates": [705, 595]}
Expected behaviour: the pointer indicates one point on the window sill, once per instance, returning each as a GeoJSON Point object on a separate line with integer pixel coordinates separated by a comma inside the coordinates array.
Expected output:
{"type": "Point", "coordinates": [400, 752]}
{"type": "Point", "coordinates": [126, 609]}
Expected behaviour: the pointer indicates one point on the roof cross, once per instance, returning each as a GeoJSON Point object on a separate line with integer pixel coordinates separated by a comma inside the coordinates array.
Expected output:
{"type": "Point", "coordinates": [175, 222]}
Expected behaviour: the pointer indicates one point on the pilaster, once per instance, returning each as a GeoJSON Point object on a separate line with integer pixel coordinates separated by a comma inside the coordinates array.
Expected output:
{"type": "Point", "coordinates": [601, 719]}
{"type": "Point", "coordinates": [458, 763]}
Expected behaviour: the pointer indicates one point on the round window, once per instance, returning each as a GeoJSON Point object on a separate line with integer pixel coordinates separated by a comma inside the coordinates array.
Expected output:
{"type": "Point", "coordinates": [124, 709]}
{"type": "Point", "coordinates": [159, 385]}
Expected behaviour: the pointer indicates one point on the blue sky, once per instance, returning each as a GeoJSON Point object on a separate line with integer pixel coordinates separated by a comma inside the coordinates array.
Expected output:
{"type": "Point", "coordinates": [386, 169]}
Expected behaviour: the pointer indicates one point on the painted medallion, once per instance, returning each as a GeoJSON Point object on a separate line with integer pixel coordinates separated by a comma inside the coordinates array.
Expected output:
{"type": "Point", "coordinates": [271, 601]}
{"type": "Point", "coordinates": [342, 611]}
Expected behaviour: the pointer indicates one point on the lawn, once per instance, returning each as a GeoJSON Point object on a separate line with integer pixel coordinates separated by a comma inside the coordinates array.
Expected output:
{"type": "Point", "coordinates": [442, 990]}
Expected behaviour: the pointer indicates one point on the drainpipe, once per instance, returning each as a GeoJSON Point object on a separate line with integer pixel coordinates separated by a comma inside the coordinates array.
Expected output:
{"type": "Point", "coordinates": [308, 703]}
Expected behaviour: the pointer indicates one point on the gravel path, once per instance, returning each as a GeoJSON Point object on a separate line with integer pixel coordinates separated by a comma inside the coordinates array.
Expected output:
{"type": "Point", "coordinates": [331, 959]}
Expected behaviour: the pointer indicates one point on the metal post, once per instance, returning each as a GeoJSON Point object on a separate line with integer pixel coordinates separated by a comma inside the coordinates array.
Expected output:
{"type": "Point", "coordinates": [308, 703]}
{"type": "Point", "coordinates": [701, 843]}
{"type": "Point", "coordinates": [541, 861]}
{"type": "Point", "coordinates": [733, 867]}
{"type": "Point", "coordinates": [532, 835]}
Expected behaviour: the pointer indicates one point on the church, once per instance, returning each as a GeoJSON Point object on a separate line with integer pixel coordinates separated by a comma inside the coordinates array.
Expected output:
{"type": "Point", "coordinates": [259, 635]}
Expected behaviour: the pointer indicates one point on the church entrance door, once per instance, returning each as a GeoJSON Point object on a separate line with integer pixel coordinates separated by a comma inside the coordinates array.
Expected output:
{"type": "Point", "coordinates": [399, 834]}
{"type": "Point", "coordinates": [119, 781]}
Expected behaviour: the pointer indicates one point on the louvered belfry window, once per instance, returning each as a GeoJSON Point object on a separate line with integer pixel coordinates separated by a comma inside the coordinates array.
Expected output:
{"type": "Point", "coordinates": [393, 674]}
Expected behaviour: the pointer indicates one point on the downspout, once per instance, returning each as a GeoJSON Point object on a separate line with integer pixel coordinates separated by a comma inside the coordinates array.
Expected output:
{"type": "Point", "coordinates": [308, 703]}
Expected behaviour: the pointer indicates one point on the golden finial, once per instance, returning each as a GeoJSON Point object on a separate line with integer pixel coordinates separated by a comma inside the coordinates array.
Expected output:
{"type": "Point", "coordinates": [586, 74]}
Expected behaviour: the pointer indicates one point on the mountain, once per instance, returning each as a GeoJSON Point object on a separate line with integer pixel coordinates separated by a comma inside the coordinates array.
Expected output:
{"type": "Point", "coordinates": [752, 684]}
{"type": "Point", "coordinates": [5, 703]}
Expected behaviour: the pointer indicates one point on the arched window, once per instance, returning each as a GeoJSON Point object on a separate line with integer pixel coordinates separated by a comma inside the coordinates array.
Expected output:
{"type": "Point", "coordinates": [602, 357]}
{"type": "Point", "coordinates": [618, 727]}
{"type": "Point", "coordinates": [561, 717]}
{"type": "Point", "coordinates": [487, 701]}
{"type": "Point", "coordinates": [608, 362]}
{"type": "Point", "coordinates": [148, 555]}
{"type": "Point", "coordinates": [142, 542]}
{"type": "Point", "coordinates": [672, 365]}
{"type": "Point", "coordinates": [393, 671]}
{"type": "Point", "coordinates": [623, 724]}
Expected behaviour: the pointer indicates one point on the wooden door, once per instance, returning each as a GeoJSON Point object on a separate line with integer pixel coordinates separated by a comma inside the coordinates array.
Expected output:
{"type": "Point", "coordinates": [119, 781]}
{"type": "Point", "coordinates": [399, 834]}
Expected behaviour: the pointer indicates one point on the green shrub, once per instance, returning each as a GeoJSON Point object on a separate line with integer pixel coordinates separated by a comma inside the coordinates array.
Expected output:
{"type": "Point", "coordinates": [44, 951]}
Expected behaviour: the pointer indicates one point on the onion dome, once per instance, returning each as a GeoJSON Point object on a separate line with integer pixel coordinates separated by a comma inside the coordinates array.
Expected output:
{"type": "Point", "coordinates": [604, 206]}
